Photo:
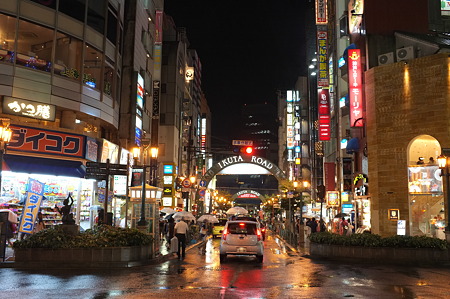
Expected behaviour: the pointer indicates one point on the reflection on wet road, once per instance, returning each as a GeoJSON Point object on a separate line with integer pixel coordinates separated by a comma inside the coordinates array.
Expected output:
{"type": "Point", "coordinates": [283, 274]}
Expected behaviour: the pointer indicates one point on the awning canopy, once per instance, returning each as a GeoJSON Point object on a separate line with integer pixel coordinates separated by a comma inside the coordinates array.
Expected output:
{"type": "Point", "coordinates": [36, 165]}
{"type": "Point", "coordinates": [352, 146]}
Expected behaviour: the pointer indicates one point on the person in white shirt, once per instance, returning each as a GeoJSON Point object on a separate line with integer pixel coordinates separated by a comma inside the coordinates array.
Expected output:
{"type": "Point", "coordinates": [181, 229]}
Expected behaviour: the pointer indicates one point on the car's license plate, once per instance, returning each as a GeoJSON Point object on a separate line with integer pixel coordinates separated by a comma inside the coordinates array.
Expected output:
{"type": "Point", "coordinates": [241, 249]}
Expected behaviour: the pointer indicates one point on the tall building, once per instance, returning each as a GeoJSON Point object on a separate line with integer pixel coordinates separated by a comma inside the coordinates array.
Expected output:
{"type": "Point", "coordinates": [60, 64]}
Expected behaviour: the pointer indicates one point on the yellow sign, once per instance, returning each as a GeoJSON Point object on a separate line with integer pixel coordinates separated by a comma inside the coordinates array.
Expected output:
{"type": "Point", "coordinates": [394, 214]}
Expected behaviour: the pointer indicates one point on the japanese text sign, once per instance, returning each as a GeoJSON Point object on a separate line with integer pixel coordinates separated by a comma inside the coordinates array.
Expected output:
{"type": "Point", "coordinates": [321, 12]}
{"type": "Point", "coordinates": [322, 54]}
{"type": "Point", "coordinates": [324, 115]}
{"type": "Point", "coordinates": [29, 109]}
{"type": "Point", "coordinates": [36, 140]}
{"type": "Point", "coordinates": [35, 192]}
{"type": "Point", "coordinates": [355, 87]}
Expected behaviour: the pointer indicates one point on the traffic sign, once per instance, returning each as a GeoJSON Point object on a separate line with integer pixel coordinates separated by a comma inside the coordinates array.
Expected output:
{"type": "Point", "coordinates": [202, 192]}
{"type": "Point", "coordinates": [202, 183]}
{"type": "Point", "coordinates": [186, 183]}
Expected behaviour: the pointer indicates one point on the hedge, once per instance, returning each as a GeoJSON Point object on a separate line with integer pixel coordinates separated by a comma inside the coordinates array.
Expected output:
{"type": "Point", "coordinates": [372, 240]}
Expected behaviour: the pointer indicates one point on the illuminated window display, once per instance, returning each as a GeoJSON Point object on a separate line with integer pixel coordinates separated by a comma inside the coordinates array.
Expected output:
{"type": "Point", "coordinates": [426, 200]}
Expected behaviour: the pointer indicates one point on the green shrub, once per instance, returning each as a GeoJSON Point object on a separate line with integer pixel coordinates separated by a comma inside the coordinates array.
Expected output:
{"type": "Point", "coordinates": [372, 240]}
{"type": "Point", "coordinates": [100, 236]}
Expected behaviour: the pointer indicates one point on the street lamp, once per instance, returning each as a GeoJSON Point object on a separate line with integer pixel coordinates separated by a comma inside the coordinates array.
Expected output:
{"type": "Point", "coordinates": [443, 165]}
{"type": "Point", "coordinates": [153, 165]}
{"type": "Point", "coordinates": [5, 137]}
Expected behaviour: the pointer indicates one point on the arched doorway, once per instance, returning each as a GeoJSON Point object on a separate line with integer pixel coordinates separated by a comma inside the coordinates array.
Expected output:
{"type": "Point", "coordinates": [425, 196]}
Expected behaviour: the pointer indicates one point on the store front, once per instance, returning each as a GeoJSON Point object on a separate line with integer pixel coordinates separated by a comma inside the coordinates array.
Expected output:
{"type": "Point", "coordinates": [425, 189]}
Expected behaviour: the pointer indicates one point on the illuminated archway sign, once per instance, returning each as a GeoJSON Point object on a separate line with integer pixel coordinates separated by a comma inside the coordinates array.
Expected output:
{"type": "Point", "coordinates": [219, 166]}
{"type": "Point", "coordinates": [245, 194]}
{"type": "Point", "coordinates": [233, 160]}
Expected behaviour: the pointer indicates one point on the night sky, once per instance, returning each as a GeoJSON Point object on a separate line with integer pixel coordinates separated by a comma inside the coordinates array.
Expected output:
{"type": "Point", "coordinates": [249, 49]}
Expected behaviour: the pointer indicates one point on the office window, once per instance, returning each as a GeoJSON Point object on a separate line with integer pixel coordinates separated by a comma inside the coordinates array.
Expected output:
{"type": "Point", "coordinates": [111, 32]}
{"type": "Point", "coordinates": [96, 15]}
{"type": "Point", "coordinates": [108, 79]}
{"type": "Point", "coordinates": [92, 66]}
{"type": "Point", "coordinates": [34, 46]}
{"type": "Point", "coordinates": [68, 53]}
{"type": "Point", "coordinates": [7, 38]}
{"type": "Point", "coordinates": [48, 3]}
{"type": "Point", "coordinates": [73, 8]}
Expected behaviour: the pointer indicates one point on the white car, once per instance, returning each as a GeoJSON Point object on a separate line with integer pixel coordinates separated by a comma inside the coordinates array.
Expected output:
{"type": "Point", "coordinates": [242, 238]}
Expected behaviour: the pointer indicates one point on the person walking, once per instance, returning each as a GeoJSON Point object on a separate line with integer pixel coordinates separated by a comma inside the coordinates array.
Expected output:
{"type": "Point", "coordinates": [181, 229]}
{"type": "Point", "coordinates": [313, 225]}
{"type": "Point", "coordinates": [170, 230]}
{"type": "Point", "coordinates": [343, 227]}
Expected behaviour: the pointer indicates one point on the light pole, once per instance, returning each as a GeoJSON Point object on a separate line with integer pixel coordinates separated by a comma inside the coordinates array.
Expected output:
{"type": "Point", "coordinates": [5, 137]}
{"type": "Point", "coordinates": [443, 165]}
{"type": "Point", "coordinates": [152, 166]}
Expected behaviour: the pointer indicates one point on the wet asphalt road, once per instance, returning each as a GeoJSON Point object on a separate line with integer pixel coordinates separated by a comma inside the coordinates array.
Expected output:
{"type": "Point", "coordinates": [282, 275]}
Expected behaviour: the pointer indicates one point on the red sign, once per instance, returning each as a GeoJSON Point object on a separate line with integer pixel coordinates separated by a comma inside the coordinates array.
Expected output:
{"type": "Point", "coordinates": [248, 195]}
{"type": "Point", "coordinates": [355, 87]}
{"type": "Point", "coordinates": [324, 116]}
{"type": "Point", "coordinates": [158, 27]}
{"type": "Point", "coordinates": [40, 141]}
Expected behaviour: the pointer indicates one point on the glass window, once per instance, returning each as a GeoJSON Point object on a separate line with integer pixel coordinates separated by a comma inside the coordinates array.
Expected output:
{"type": "Point", "coordinates": [92, 66]}
{"type": "Point", "coordinates": [68, 53]}
{"type": "Point", "coordinates": [48, 3]}
{"type": "Point", "coordinates": [34, 46]}
{"type": "Point", "coordinates": [96, 15]}
{"type": "Point", "coordinates": [73, 8]}
{"type": "Point", "coordinates": [109, 80]}
{"type": "Point", "coordinates": [111, 33]}
{"type": "Point", "coordinates": [7, 38]}
{"type": "Point", "coordinates": [242, 228]}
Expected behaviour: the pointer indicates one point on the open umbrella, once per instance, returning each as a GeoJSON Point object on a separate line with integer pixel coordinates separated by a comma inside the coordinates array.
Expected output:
{"type": "Point", "coordinates": [12, 217]}
{"type": "Point", "coordinates": [208, 218]}
{"type": "Point", "coordinates": [184, 214]}
{"type": "Point", "coordinates": [167, 211]}
{"type": "Point", "coordinates": [340, 215]}
{"type": "Point", "coordinates": [237, 210]}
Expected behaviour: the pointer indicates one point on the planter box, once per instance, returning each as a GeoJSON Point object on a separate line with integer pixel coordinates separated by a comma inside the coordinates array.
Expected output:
{"type": "Point", "coordinates": [84, 257]}
{"type": "Point", "coordinates": [381, 254]}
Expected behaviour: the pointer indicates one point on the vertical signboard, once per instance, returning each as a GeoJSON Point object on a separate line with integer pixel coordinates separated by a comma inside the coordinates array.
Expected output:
{"type": "Point", "coordinates": [321, 12]}
{"type": "Point", "coordinates": [158, 27]}
{"type": "Point", "coordinates": [35, 193]}
{"type": "Point", "coordinates": [355, 87]}
{"type": "Point", "coordinates": [139, 109]}
{"type": "Point", "coordinates": [322, 53]}
{"type": "Point", "coordinates": [324, 116]}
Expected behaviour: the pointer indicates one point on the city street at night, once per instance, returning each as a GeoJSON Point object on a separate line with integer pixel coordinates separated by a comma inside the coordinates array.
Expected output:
{"type": "Point", "coordinates": [283, 274]}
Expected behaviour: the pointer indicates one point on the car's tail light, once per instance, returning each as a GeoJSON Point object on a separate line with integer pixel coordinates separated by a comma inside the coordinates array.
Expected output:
{"type": "Point", "coordinates": [258, 232]}
{"type": "Point", "coordinates": [263, 229]}
{"type": "Point", "coordinates": [224, 234]}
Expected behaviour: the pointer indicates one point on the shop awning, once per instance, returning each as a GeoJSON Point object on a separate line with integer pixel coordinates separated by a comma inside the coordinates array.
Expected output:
{"type": "Point", "coordinates": [352, 145]}
{"type": "Point", "coordinates": [36, 165]}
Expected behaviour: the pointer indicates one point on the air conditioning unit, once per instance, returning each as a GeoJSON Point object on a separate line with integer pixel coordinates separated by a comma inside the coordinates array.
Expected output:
{"type": "Point", "coordinates": [386, 58]}
{"type": "Point", "coordinates": [405, 53]}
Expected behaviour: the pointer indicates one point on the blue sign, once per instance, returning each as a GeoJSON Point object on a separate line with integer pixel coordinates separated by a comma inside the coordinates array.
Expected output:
{"type": "Point", "coordinates": [202, 183]}
{"type": "Point", "coordinates": [202, 192]}
{"type": "Point", "coordinates": [168, 169]}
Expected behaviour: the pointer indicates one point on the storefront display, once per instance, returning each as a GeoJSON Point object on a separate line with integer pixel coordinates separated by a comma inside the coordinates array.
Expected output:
{"type": "Point", "coordinates": [56, 189]}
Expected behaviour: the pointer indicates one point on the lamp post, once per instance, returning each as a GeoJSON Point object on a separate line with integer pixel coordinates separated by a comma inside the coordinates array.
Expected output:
{"type": "Point", "coordinates": [443, 165]}
{"type": "Point", "coordinates": [5, 137]}
{"type": "Point", "coordinates": [153, 165]}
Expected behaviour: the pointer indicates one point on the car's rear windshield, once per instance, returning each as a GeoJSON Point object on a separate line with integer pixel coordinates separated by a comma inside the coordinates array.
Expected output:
{"type": "Point", "coordinates": [242, 228]}
{"type": "Point", "coordinates": [222, 222]}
